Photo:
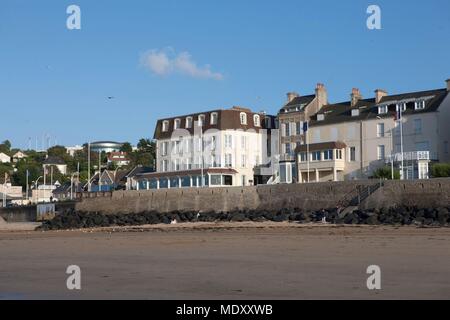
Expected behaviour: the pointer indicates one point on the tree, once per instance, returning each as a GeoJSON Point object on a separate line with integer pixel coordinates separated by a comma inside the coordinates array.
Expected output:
{"type": "Point", "coordinates": [440, 170]}
{"type": "Point", "coordinates": [386, 173]}
{"type": "Point", "coordinates": [57, 151]}
{"type": "Point", "coordinates": [5, 146]}
{"type": "Point", "coordinates": [126, 147]}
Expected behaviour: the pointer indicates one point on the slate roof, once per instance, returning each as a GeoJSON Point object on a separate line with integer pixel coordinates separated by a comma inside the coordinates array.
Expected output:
{"type": "Point", "coordinates": [368, 108]}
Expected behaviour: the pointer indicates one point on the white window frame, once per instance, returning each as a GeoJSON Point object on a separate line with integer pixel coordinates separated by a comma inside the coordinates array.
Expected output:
{"type": "Point", "coordinates": [383, 109]}
{"type": "Point", "coordinates": [243, 118]}
{"type": "Point", "coordinates": [214, 118]}
{"type": "Point", "coordinates": [380, 133]}
{"type": "Point", "coordinates": [165, 126]}
{"type": "Point", "coordinates": [420, 105]}
{"type": "Point", "coordinates": [257, 120]}
{"type": "Point", "coordinates": [188, 122]}
{"type": "Point", "coordinates": [177, 124]}
{"type": "Point", "coordinates": [381, 152]}
{"type": "Point", "coordinates": [201, 120]}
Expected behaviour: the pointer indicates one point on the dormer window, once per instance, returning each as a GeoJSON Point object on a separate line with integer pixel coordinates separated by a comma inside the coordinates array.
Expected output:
{"type": "Point", "coordinates": [401, 106]}
{"type": "Point", "coordinates": [165, 126]}
{"type": "Point", "coordinates": [382, 109]}
{"type": "Point", "coordinates": [214, 117]}
{"type": "Point", "coordinates": [177, 124]}
{"type": "Point", "coordinates": [420, 105]}
{"type": "Point", "coordinates": [188, 122]}
{"type": "Point", "coordinates": [243, 117]}
{"type": "Point", "coordinates": [320, 117]}
{"type": "Point", "coordinates": [201, 120]}
{"type": "Point", "coordinates": [256, 120]}
{"type": "Point", "coordinates": [355, 112]}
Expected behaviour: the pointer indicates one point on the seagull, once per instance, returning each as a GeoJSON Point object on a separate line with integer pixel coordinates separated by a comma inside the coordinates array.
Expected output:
{"type": "Point", "coordinates": [110, 98]}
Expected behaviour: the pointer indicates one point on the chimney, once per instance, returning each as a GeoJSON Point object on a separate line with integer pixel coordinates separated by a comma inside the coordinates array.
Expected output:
{"type": "Point", "coordinates": [448, 84]}
{"type": "Point", "coordinates": [379, 94]}
{"type": "Point", "coordinates": [291, 96]}
{"type": "Point", "coordinates": [355, 96]}
{"type": "Point", "coordinates": [321, 95]}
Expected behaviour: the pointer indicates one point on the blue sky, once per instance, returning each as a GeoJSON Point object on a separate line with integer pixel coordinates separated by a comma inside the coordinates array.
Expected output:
{"type": "Point", "coordinates": [215, 54]}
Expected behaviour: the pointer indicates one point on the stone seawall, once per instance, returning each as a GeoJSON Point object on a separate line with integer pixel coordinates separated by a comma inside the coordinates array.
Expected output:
{"type": "Point", "coordinates": [315, 196]}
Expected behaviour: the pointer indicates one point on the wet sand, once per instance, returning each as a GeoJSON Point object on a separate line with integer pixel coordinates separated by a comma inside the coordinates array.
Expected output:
{"type": "Point", "coordinates": [227, 261]}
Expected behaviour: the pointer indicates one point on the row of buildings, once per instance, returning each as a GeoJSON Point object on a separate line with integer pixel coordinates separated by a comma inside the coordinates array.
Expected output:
{"type": "Point", "coordinates": [309, 140]}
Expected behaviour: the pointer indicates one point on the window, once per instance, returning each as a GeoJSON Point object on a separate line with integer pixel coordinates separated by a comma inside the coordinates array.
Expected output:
{"type": "Point", "coordinates": [419, 105]}
{"type": "Point", "coordinates": [445, 146]}
{"type": "Point", "coordinates": [381, 152]}
{"type": "Point", "coordinates": [380, 130]}
{"type": "Point", "coordinates": [352, 154]}
{"type": "Point", "coordinates": [283, 129]}
{"type": "Point", "coordinates": [213, 143]}
{"type": "Point", "coordinates": [177, 165]}
{"type": "Point", "coordinates": [165, 126]}
{"type": "Point", "coordinates": [216, 180]}
{"type": "Point", "coordinates": [316, 156]}
{"type": "Point", "coordinates": [287, 148]}
{"type": "Point", "coordinates": [401, 106]}
{"type": "Point", "coordinates": [339, 154]}
{"type": "Point", "coordinates": [201, 120]}
{"type": "Point", "coordinates": [355, 112]}
{"type": "Point", "coordinates": [188, 122]}
{"type": "Point", "coordinates": [214, 117]}
{"type": "Point", "coordinates": [287, 127]}
{"type": "Point", "coordinates": [320, 117]}
{"type": "Point", "coordinates": [165, 165]}
{"type": "Point", "coordinates": [228, 160]}
{"type": "Point", "coordinates": [328, 155]}
{"type": "Point", "coordinates": [177, 124]}
{"type": "Point", "coordinates": [423, 146]}
{"type": "Point", "coordinates": [243, 143]}
{"type": "Point", "coordinates": [303, 157]}
{"type": "Point", "coordinates": [243, 117]}
{"type": "Point", "coordinates": [417, 126]}
{"type": "Point", "coordinates": [188, 164]}
{"type": "Point", "coordinates": [298, 130]}
{"type": "Point", "coordinates": [164, 148]}
{"type": "Point", "coordinates": [228, 141]}
{"type": "Point", "coordinates": [243, 161]}
{"type": "Point", "coordinates": [257, 120]}
{"type": "Point", "coordinates": [382, 109]}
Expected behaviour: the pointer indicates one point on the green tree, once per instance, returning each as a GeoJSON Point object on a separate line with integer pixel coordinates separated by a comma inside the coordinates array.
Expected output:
{"type": "Point", "coordinates": [386, 173]}
{"type": "Point", "coordinates": [126, 147]}
{"type": "Point", "coordinates": [5, 147]}
{"type": "Point", "coordinates": [440, 170]}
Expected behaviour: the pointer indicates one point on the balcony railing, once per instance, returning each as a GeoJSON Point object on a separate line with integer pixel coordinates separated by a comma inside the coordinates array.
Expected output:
{"type": "Point", "coordinates": [412, 156]}
{"type": "Point", "coordinates": [287, 157]}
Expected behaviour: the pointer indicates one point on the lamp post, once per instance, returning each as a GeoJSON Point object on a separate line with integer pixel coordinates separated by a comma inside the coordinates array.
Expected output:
{"type": "Point", "coordinates": [37, 189]}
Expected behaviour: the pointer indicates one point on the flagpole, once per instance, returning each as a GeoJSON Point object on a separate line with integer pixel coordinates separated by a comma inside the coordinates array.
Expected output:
{"type": "Point", "coordinates": [307, 146]}
{"type": "Point", "coordinates": [401, 141]}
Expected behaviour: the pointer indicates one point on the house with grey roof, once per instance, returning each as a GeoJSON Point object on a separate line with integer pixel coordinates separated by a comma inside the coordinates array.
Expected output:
{"type": "Point", "coordinates": [352, 139]}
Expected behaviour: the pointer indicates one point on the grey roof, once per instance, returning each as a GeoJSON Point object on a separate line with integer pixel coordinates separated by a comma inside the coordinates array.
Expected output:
{"type": "Point", "coordinates": [54, 160]}
{"type": "Point", "coordinates": [296, 102]}
{"type": "Point", "coordinates": [368, 108]}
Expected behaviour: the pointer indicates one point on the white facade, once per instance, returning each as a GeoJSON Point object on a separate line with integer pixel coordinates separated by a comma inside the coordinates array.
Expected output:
{"type": "Point", "coordinates": [4, 158]}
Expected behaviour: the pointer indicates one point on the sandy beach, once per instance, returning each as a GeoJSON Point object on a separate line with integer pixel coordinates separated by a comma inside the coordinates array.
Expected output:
{"type": "Point", "coordinates": [227, 261]}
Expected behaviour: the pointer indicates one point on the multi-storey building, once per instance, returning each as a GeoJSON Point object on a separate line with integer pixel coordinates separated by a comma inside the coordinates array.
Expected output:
{"type": "Point", "coordinates": [214, 148]}
{"type": "Point", "coordinates": [350, 140]}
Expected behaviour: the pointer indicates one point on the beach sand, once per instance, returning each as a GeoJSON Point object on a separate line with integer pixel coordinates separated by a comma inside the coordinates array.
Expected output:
{"type": "Point", "coordinates": [227, 261]}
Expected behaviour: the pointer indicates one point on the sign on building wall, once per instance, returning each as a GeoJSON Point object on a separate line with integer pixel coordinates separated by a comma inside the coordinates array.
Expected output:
{"type": "Point", "coordinates": [45, 211]}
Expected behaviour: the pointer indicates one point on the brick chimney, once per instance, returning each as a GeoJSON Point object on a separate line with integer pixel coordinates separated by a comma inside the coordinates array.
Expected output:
{"type": "Point", "coordinates": [379, 94]}
{"type": "Point", "coordinates": [291, 96]}
{"type": "Point", "coordinates": [355, 96]}
{"type": "Point", "coordinates": [448, 84]}
{"type": "Point", "coordinates": [321, 95]}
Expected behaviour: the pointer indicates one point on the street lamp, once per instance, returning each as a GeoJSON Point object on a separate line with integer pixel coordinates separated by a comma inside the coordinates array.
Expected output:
{"type": "Point", "coordinates": [37, 190]}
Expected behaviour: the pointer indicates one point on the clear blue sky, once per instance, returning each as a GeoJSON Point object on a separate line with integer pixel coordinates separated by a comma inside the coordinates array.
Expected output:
{"type": "Point", "coordinates": [56, 81]}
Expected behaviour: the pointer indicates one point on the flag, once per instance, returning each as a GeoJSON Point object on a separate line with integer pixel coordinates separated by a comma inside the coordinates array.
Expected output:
{"type": "Point", "coordinates": [305, 126]}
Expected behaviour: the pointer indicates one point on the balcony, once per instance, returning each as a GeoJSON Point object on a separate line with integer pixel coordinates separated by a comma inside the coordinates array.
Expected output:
{"type": "Point", "coordinates": [412, 156]}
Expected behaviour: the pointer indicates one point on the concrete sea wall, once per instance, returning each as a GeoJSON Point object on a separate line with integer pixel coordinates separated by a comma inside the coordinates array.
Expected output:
{"type": "Point", "coordinates": [421, 193]}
